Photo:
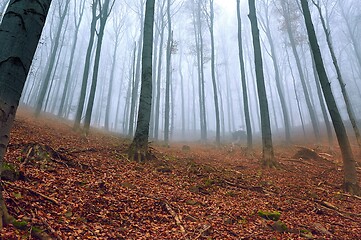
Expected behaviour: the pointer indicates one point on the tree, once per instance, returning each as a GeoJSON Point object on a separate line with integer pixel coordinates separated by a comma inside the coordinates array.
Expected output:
{"type": "Point", "coordinates": [243, 78]}
{"type": "Point", "coordinates": [268, 155]}
{"type": "Point", "coordinates": [168, 74]}
{"type": "Point", "coordinates": [350, 174]}
{"type": "Point", "coordinates": [81, 102]}
{"type": "Point", "coordinates": [267, 29]}
{"type": "Point", "coordinates": [20, 32]}
{"type": "Point", "coordinates": [291, 23]}
{"type": "Point", "coordinates": [138, 150]}
{"type": "Point", "coordinates": [346, 98]}
{"type": "Point", "coordinates": [105, 9]}
{"type": "Point", "coordinates": [213, 71]}
{"type": "Point", "coordinates": [77, 22]}
{"type": "Point", "coordinates": [63, 11]}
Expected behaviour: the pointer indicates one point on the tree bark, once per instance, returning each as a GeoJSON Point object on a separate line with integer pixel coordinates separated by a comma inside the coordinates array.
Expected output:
{"type": "Point", "coordinates": [268, 155]}
{"type": "Point", "coordinates": [20, 31]}
{"type": "Point", "coordinates": [138, 150]}
{"type": "Point", "coordinates": [243, 78]}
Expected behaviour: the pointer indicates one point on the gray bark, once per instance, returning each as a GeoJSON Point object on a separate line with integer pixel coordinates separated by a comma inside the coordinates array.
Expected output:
{"type": "Point", "coordinates": [138, 150]}
{"type": "Point", "coordinates": [23, 22]}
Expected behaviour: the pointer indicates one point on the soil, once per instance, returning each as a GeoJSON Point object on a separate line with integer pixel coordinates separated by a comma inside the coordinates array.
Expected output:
{"type": "Point", "coordinates": [84, 187]}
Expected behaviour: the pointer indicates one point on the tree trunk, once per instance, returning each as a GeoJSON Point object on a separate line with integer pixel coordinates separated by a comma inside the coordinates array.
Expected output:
{"type": "Point", "coordinates": [23, 22]}
{"type": "Point", "coordinates": [350, 174]}
{"type": "Point", "coordinates": [268, 155]}
{"type": "Point", "coordinates": [53, 54]}
{"type": "Point", "coordinates": [138, 150]}
{"type": "Point", "coordinates": [71, 60]}
{"type": "Point", "coordinates": [84, 83]}
{"type": "Point", "coordinates": [104, 14]}
{"type": "Point", "coordinates": [213, 73]}
{"type": "Point", "coordinates": [168, 75]}
{"type": "Point", "coordinates": [310, 108]}
{"type": "Point", "coordinates": [349, 108]}
{"type": "Point", "coordinates": [243, 79]}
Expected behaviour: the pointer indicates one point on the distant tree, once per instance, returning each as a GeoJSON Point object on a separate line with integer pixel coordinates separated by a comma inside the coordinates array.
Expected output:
{"type": "Point", "coordinates": [291, 21]}
{"type": "Point", "coordinates": [22, 23]}
{"type": "Point", "coordinates": [78, 17]}
{"type": "Point", "coordinates": [267, 28]}
{"type": "Point", "coordinates": [138, 150]}
{"type": "Point", "coordinates": [350, 174]}
{"type": "Point", "coordinates": [105, 9]}
{"type": "Point", "coordinates": [345, 95]}
{"type": "Point", "coordinates": [63, 12]}
{"type": "Point", "coordinates": [268, 155]}
{"type": "Point", "coordinates": [81, 101]}
{"type": "Point", "coordinates": [213, 70]}
{"type": "Point", "coordinates": [140, 12]}
{"type": "Point", "coordinates": [243, 78]}
{"type": "Point", "coordinates": [118, 24]}
{"type": "Point", "coordinates": [168, 74]}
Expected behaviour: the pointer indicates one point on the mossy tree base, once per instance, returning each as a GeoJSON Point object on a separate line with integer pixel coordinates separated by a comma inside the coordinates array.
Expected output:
{"type": "Point", "coordinates": [5, 217]}
{"type": "Point", "coordinates": [139, 152]}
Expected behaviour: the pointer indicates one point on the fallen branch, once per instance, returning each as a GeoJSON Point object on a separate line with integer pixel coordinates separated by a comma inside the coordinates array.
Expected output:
{"type": "Point", "coordinates": [205, 229]}
{"type": "Point", "coordinates": [35, 192]}
{"type": "Point", "coordinates": [344, 214]}
{"type": "Point", "coordinates": [175, 216]}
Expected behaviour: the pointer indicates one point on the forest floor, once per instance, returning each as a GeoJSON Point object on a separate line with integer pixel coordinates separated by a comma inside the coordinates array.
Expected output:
{"type": "Point", "coordinates": [77, 187]}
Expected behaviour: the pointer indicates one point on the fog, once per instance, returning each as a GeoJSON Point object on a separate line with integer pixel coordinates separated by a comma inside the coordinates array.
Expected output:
{"type": "Point", "coordinates": [119, 70]}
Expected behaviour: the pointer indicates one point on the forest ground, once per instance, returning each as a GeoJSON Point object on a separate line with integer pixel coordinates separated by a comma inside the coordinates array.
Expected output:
{"type": "Point", "coordinates": [77, 187]}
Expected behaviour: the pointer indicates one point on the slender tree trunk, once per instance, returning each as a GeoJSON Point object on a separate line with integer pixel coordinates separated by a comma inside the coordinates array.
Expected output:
{"type": "Point", "coordinates": [104, 14]}
{"type": "Point", "coordinates": [286, 119]}
{"type": "Point", "coordinates": [243, 79]}
{"type": "Point", "coordinates": [168, 75]}
{"type": "Point", "coordinates": [138, 150]}
{"type": "Point", "coordinates": [268, 155]}
{"type": "Point", "coordinates": [52, 60]}
{"type": "Point", "coordinates": [213, 74]}
{"type": "Point", "coordinates": [71, 60]}
{"type": "Point", "coordinates": [350, 174]}
{"type": "Point", "coordinates": [22, 23]}
{"type": "Point", "coordinates": [346, 98]}
{"type": "Point", "coordinates": [84, 83]}
{"type": "Point", "coordinates": [310, 108]}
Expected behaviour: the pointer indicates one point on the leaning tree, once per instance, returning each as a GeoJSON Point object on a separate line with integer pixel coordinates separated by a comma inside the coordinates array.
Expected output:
{"type": "Point", "coordinates": [20, 31]}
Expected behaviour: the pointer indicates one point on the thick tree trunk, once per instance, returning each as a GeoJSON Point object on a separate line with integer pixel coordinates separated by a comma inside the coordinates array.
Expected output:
{"type": "Point", "coordinates": [268, 155]}
{"type": "Point", "coordinates": [20, 31]}
{"type": "Point", "coordinates": [350, 174]}
{"type": "Point", "coordinates": [138, 150]}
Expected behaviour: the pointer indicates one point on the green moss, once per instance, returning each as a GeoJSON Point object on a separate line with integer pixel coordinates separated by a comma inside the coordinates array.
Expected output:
{"type": "Point", "coordinates": [275, 215]}
{"type": "Point", "coordinates": [22, 225]}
